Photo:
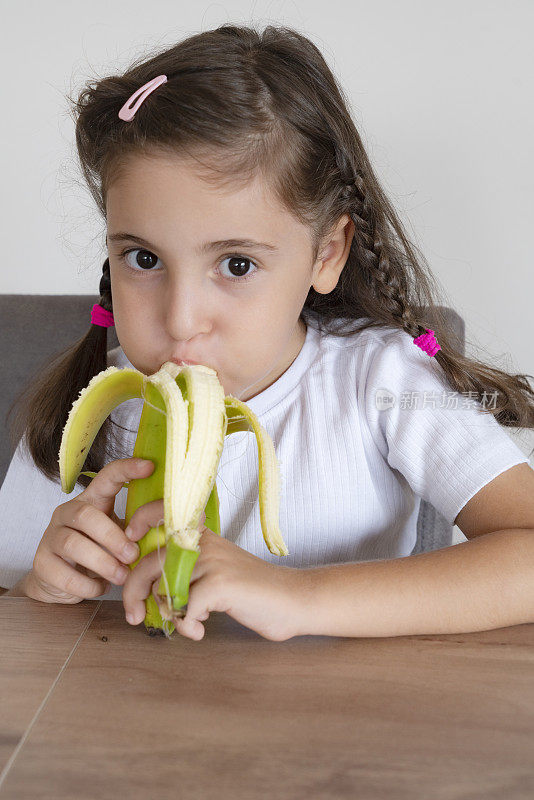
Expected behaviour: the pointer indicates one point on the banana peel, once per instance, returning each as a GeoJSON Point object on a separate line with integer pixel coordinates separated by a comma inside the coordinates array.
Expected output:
{"type": "Point", "coordinates": [184, 420]}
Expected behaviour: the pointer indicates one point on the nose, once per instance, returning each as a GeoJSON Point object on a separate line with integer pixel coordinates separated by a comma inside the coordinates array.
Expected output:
{"type": "Point", "coordinates": [185, 307]}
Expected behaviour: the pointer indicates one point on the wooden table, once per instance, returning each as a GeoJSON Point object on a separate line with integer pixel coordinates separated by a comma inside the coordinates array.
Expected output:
{"type": "Point", "coordinates": [93, 708]}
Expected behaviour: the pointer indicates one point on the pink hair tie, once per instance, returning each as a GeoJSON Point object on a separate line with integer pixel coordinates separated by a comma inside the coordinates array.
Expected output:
{"type": "Point", "coordinates": [126, 113]}
{"type": "Point", "coordinates": [427, 342]}
{"type": "Point", "coordinates": [99, 316]}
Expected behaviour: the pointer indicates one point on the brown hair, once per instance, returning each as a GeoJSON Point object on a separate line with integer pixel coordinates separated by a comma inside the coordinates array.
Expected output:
{"type": "Point", "coordinates": [259, 103]}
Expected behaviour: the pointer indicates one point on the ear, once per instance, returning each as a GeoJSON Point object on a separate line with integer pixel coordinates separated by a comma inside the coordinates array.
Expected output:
{"type": "Point", "coordinates": [333, 255]}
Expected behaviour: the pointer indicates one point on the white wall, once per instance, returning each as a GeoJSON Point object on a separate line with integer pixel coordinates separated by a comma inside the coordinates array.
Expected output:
{"type": "Point", "coordinates": [441, 93]}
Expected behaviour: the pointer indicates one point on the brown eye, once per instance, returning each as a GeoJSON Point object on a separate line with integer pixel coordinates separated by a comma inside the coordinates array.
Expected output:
{"type": "Point", "coordinates": [239, 268]}
{"type": "Point", "coordinates": [144, 260]}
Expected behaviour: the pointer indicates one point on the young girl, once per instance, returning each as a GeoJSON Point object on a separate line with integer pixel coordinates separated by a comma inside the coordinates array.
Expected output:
{"type": "Point", "coordinates": [247, 231]}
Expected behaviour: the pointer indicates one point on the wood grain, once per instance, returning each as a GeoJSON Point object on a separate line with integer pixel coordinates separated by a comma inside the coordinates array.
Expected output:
{"type": "Point", "coordinates": [238, 716]}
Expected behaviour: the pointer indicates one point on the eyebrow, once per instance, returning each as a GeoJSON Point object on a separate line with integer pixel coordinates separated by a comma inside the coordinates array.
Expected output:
{"type": "Point", "coordinates": [206, 247]}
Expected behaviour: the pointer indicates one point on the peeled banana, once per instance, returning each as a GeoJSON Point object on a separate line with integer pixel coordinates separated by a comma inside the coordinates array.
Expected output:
{"type": "Point", "coordinates": [184, 420]}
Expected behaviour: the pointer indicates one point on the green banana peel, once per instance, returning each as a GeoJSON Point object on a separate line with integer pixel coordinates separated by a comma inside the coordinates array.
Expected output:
{"type": "Point", "coordinates": [179, 561]}
{"type": "Point", "coordinates": [184, 420]}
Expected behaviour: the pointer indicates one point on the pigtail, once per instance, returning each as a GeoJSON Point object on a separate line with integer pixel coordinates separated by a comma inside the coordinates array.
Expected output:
{"type": "Point", "coordinates": [386, 274]}
{"type": "Point", "coordinates": [43, 405]}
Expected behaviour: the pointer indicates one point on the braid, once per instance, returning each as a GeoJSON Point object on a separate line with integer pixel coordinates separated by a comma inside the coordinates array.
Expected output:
{"type": "Point", "coordinates": [104, 288]}
{"type": "Point", "coordinates": [370, 238]}
{"type": "Point", "coordinates": [374, 258]}
{"type": "Point", "coordinates": [43, 415]}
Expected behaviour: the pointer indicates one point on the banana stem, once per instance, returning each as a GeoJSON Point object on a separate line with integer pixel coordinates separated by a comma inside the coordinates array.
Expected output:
{"type": "Point", "coordinates": [179, 563]}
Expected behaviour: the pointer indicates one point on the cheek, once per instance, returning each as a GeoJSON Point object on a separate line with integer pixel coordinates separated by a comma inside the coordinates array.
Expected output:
{"type": "Point", "coordinates": [132, 305]}
{"type": "Point", "coordinates": [132, 325]}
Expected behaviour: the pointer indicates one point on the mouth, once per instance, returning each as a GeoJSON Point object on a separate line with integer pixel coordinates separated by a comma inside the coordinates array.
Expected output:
{"type": "Point", "coordinates": [183, 362]}
{"type": "Point", "coordinates": [186, 362]}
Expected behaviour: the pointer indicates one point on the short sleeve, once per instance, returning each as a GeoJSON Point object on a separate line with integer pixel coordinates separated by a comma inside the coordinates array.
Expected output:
{"type": "Point", "coordinates": [28, 498]}
{"type": "Point", "coordinates": [437, 438]}
{"type": "Point", "coordinates": [27, 501]}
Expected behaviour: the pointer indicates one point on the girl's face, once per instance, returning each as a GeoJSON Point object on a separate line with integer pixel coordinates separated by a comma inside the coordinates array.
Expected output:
{"type": "Point", "coordinates": [181, 292]}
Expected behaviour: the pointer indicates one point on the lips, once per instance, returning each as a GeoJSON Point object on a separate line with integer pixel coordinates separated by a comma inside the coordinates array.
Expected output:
{"type": "Point", "coordinates": [186, 362]}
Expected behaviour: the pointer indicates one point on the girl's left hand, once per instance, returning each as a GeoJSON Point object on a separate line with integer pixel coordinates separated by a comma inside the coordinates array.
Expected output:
{"type": "Point", "coordinates": [265, 597]}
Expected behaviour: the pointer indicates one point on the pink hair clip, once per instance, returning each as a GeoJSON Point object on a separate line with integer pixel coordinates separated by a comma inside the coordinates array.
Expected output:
{"type": "Point", "coordinates": [126, 113]}
{"type": "Point", "coordinates": [427, 342]}
{"type": "Point", "coordinates": [99, 316]}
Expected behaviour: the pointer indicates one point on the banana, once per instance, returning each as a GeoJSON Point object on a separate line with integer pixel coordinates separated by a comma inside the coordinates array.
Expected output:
{"type": "Point", "coordinates": [184, 420]}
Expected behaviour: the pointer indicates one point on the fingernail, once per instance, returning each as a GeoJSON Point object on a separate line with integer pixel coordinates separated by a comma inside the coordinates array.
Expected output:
{"type": "Point", "coordinates": [130, 618]}
{"type": "Point", "coordinates": [129, 533]}
{"type": "Point", "coordinates": [121, 573]}
{"type": "Point", "coordinates": [130, 550]}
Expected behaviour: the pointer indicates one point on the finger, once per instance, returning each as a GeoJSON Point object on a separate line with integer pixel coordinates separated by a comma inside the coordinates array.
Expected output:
{"type": "Point", "coordinates": [71, 544]}
{"type": "Point", "coordinates": [96, 525]}
{"type": "Point", "coordinates": [204, 596]}
{"type": "Point", "coordinates": [189, 627]}
{"type": "Point", "coordinates": [65, 581]}
{"type": "Point", "coordinates": [107, 483]}
{"type": "Point", "coordinates": [138, 585]}
{"type": "Point", "coordinates": [91, 574]}
{"type": "Point", "coordinates": [182, 621]}
{"type": "Point", "coordinates": [148, 516]}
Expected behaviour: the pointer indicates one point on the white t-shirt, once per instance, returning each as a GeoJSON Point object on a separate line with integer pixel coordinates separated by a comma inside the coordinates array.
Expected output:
{"type": "Point", "coordinates": [361, 432]}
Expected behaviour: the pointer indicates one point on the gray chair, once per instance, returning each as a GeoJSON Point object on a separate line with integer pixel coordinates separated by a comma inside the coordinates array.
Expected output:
{"type": "Point", "coordinates": [33, 328]}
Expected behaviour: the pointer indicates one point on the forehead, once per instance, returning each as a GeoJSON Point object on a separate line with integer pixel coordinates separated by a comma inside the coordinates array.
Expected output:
{"type": "Point", "coordinates": [159, 192]}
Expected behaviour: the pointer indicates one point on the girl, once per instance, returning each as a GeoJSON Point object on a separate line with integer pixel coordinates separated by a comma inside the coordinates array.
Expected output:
{"type": "Point", "coordinates": [246, 230]}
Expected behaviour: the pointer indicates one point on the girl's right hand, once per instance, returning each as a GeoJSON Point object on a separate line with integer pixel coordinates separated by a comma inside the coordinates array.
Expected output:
{"type": "Point", "coordinates": [80, 534]}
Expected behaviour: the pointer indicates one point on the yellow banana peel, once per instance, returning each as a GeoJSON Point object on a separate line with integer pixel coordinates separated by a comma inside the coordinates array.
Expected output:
{"type": "Point", "coordinates": [184, 420]}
